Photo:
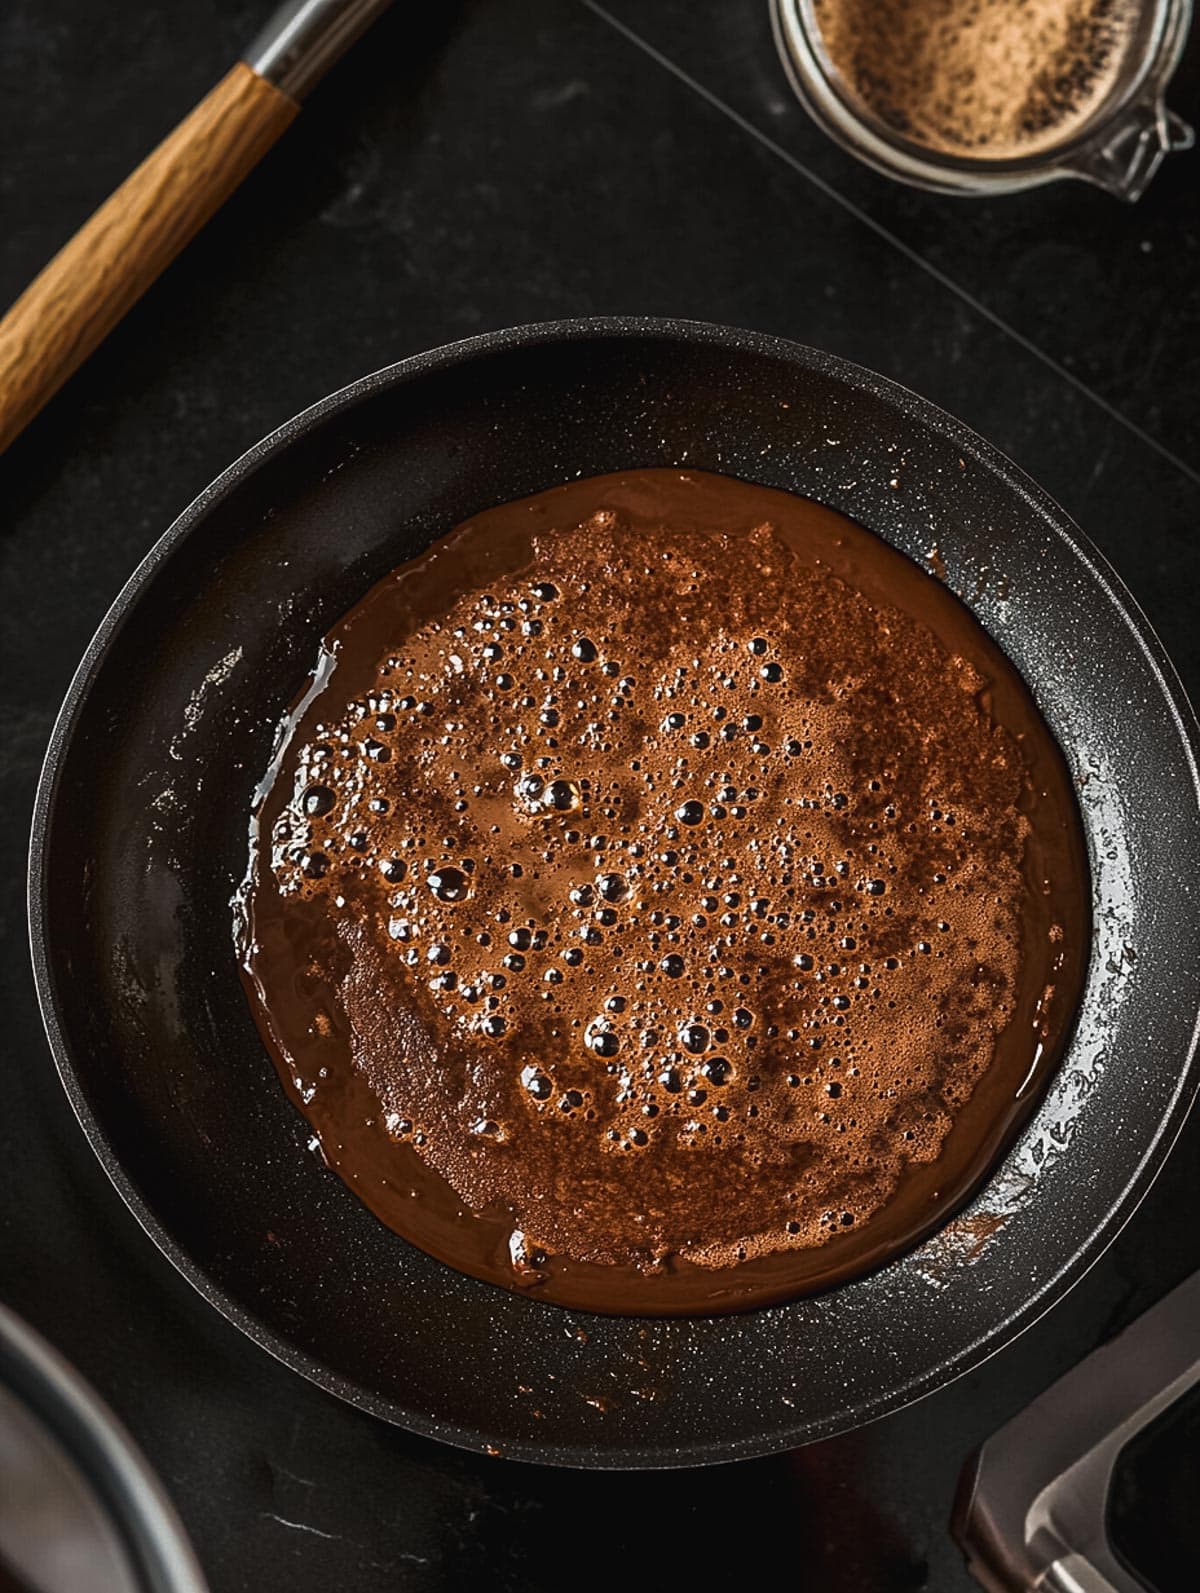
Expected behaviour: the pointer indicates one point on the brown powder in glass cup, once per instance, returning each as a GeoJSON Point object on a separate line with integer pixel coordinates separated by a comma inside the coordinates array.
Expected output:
{"type": "Point", "coordinates": [999, 79]}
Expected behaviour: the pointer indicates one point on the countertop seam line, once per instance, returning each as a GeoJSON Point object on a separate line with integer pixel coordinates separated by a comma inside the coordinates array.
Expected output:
{"type": "Point", "coordinates": [880, 231]}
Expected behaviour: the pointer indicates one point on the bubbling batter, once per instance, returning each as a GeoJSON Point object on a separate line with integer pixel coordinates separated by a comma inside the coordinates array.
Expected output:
{"type": "Point", "coordinates": [665, 898]}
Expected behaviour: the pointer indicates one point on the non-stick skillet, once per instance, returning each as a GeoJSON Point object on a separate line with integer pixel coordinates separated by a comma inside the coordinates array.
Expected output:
{"type": "Point", "coordinates": [140, 836]}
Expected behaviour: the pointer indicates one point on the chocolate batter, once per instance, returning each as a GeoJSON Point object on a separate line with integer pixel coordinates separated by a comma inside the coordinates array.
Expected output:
{"type": "Point", "coordinates": [665, 897]}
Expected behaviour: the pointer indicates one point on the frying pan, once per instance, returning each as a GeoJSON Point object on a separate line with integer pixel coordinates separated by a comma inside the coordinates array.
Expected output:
{"type": "Point", "coordinates": [140, 837]}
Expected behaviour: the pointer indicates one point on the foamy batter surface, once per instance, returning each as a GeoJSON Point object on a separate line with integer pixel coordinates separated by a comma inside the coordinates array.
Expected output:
{"type": "Point", "coordinates": [641, 899]}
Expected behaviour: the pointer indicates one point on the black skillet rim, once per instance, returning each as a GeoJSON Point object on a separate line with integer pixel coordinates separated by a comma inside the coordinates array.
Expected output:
{"type": "Point", "coordinates": [445, 357]}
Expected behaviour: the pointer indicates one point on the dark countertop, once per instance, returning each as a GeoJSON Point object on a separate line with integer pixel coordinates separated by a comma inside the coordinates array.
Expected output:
{"type": "Point", "coordinates": [469, 167]}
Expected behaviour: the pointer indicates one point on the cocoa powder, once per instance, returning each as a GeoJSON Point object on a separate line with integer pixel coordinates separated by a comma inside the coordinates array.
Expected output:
{"type": "Point", "coordinates": [997, 79]}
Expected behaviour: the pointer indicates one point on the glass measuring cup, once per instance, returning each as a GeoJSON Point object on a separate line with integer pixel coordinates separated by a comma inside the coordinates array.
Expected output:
{"type": "Point", "coordinates": [1118, 148]}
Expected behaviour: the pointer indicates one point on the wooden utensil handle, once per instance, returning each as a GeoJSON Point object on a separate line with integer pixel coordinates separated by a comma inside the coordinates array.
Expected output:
{"type": "Point", "coordinates": [137, 231]}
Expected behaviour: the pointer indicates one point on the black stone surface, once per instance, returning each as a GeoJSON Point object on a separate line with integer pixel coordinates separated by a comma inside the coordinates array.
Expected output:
{"type": "Point", "coordinates": [469, 167]}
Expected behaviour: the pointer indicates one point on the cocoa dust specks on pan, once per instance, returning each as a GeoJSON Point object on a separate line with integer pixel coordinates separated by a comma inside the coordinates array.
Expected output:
{"type": "Point", "coordinates": [664, 898]}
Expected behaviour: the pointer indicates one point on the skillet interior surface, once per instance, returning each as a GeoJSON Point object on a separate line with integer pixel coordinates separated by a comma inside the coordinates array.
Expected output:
{"type": "Point", "coordinates": [140, 837]}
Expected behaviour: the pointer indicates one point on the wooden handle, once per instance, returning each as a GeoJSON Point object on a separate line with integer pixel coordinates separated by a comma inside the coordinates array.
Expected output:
{"type": "Point", "coordinates": [115, 256]}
